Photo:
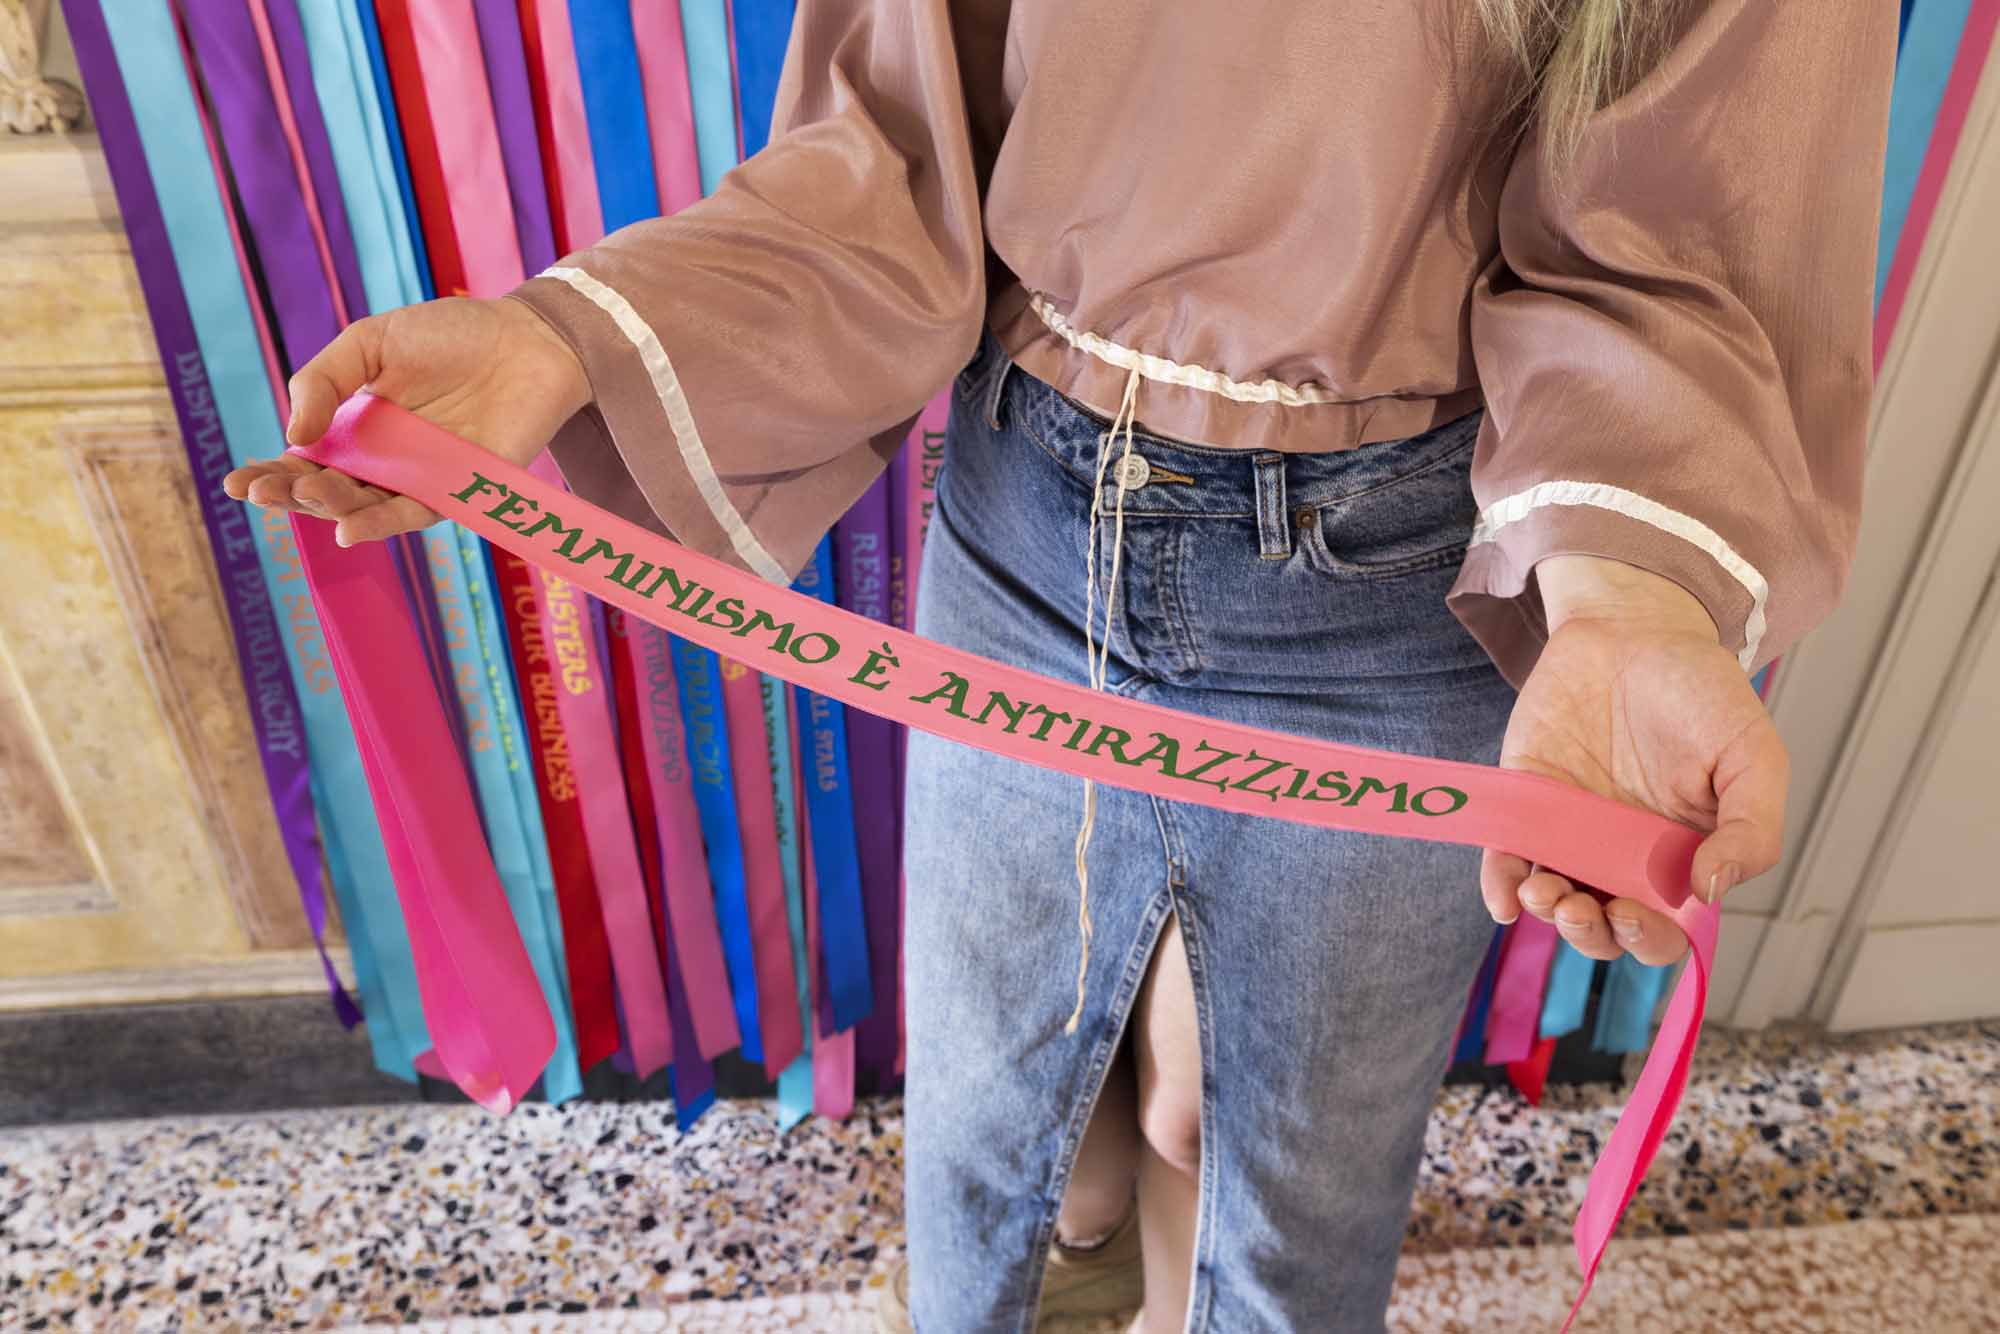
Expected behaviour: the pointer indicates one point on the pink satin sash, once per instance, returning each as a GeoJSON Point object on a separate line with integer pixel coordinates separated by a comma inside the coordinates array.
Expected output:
{"type": "Point", "coordinates": [1124, 743]}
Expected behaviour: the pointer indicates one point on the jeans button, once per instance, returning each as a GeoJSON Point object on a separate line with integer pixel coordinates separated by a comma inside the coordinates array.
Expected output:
{"type": "Point", "coordinates": [1133, 472]}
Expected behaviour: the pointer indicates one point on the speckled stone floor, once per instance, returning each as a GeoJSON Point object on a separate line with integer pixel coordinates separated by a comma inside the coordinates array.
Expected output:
{"type": "Point", "coordinates": [1808, 1185]}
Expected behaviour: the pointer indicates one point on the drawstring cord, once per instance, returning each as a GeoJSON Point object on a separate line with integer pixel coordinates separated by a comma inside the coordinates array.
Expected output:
{"type": "Point", "coordinates": [1097, 659]}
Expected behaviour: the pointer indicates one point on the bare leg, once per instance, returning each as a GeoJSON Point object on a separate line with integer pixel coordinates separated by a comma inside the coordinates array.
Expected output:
{"type": "Point", "coordinates": [1107, 1161]}
{"type": "Point", "coordinates": [1168, 1050]}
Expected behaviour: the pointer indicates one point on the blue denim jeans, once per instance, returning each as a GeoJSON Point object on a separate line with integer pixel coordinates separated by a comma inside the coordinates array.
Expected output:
{"type": "Point", "coordinates": [1302, 593]}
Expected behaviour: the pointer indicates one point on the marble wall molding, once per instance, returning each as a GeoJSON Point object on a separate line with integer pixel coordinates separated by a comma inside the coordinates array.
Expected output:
{"type": "Point", "coordinates": [138, 495]}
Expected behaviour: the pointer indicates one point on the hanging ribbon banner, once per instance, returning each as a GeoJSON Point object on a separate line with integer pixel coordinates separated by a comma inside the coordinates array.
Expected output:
{"type": "Point", "coordinates": [1052, 724]}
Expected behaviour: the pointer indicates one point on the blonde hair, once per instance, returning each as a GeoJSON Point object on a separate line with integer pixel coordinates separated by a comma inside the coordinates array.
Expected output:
{"type": "Point", "coordinates": [1573, 57]}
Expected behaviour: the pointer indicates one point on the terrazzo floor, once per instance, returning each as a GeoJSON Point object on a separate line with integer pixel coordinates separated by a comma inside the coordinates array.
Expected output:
{"type": "Point", "coordinates": [1808, 1185]}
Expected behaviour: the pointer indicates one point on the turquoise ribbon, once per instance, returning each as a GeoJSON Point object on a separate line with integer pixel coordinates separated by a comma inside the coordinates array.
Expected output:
{"type": "Point", "coordinates": [370, 34]}
{"type": "Point", "coordinates": [1924, 62]}
{"type": "Point", "coordinates": [795, 1082]}
{"type": "Point", "coordinates": [1632, 992]}
{"type": "Point", "coordinates": [340, 105]}
{"type": "Point", "coordinates": [1567, 997]}
{"type": "Point", "coordinates": [711, 86]}
{"type": "Point", "coordinates": [147, 47]}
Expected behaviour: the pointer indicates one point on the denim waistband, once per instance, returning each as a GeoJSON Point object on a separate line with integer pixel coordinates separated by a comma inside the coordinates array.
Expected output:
{"type": "Point", "coordinates": [1181, 479]}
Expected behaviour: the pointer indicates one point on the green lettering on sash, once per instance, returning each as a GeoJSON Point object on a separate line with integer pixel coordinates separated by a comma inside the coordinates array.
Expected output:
{"type": "Point", "coordinates": [1049, 718]}
{"type": "Point", "coordinates": [1457, 799]}
{"type": "Point", "coordinates": [1167, 751]}
{"type": "Point", "coordinates": [567, 546]}
{"type": "Point", "coordinates": [1332, 778]}
{"type": "Point", "coordinates": [798, 648]}
{"type": "Point", "coordinates": [513, 504]}
{"type": "Point", "coordinates": [761, 620]}
{"type": "Point", "coordinates": [1015, 712]}
{"type": "Point", "coordinates": [731, 612]}
{"type": "Point", "coordinates": [1112, 739]}
{"type": "Point", "coordinates": [952, 692]}
{"type": "Point", "coordinates": [1400, 791]}
{"type": "Point", "coordinates": [480, 482]}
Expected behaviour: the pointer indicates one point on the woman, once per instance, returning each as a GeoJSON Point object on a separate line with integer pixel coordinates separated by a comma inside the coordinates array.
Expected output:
{"type": "Point", "coordinates": [1343, 368]}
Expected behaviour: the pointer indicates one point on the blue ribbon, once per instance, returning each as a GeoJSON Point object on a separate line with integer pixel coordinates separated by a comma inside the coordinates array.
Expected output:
{"type": "Point", "coordinates": [706, 728]}
{"type": "Point", "coordinates": [843, 927]}
{"type": "Point", "coordinates": [147, 48]}
{"type": "Point", "coordinates": [763, 29]}
{"type": "Point", "coordinates": [614, 104]}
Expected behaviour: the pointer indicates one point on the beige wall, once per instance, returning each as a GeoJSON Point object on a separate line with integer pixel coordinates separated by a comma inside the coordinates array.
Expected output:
{"type": "Point", "coordinates": [138, 855]}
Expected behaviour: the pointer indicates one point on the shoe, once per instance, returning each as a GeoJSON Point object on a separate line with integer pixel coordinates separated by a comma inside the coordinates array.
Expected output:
{"type": "Point", "coordinates": [1106, 1280]}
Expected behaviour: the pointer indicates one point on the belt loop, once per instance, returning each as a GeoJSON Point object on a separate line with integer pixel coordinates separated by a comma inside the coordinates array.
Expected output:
{"type": "Point", "coordinates": [1274, 535]}
{"type": "Point", "coordinates": [999, 384]}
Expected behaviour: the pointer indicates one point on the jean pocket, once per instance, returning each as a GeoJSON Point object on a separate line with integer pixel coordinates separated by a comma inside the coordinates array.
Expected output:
{"type": "Point", "coordinates": [1419, 521]}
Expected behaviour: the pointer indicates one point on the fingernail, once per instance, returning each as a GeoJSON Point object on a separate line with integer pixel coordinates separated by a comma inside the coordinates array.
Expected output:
{"type": "Point", "coordinates": [313, 505]}
{"type": "Point", "coordinates": [340, 539]}
{"type": "Point", "coordinates": [291, 423]}
{"type": "Point", "coordinates": [1723, 879]}
{"type": "Point", "coordinates": [1509, 921]}
{"type": "Point", "coordinates": [1627, 929]}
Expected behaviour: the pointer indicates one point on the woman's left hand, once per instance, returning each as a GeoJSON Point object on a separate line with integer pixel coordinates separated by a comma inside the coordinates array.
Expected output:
{"type": "Point", "coordinates": [1633, 698]}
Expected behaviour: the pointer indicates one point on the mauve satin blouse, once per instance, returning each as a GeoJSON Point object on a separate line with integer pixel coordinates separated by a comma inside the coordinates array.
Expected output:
{"type": "Point", "coordinates": [1302, 224]}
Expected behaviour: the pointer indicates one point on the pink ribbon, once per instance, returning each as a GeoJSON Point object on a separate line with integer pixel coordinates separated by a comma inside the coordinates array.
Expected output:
{"type": "Point", "coordinates": [656, 31]}
{"type": "Point", "coordinates": [1052, 724]}
{"type": "Point", "coordinates": [763, 876]}
{"type": "Point", "coordinates": [468, 142]}
{"type": "Point", "coordinates": [1514, 1023]}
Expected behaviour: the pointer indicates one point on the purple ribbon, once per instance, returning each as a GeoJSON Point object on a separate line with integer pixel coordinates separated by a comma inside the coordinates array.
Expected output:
{"type": "Point", "coordinates": [260, 648]}
{"type": "Point", "coordinates": [514, 115]}
{"type": "Point", "coordinates": [260, 163]}
{"type": "Point", "coordinates": [288, 34]}
{"type": "Point", "coordinates": [861, 561]}
{"type": "Point", "coordinates": [232, 72]}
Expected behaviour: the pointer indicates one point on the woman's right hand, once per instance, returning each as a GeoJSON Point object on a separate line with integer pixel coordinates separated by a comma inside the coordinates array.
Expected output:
{"type": "Point", "coordinates": [491, 372]}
